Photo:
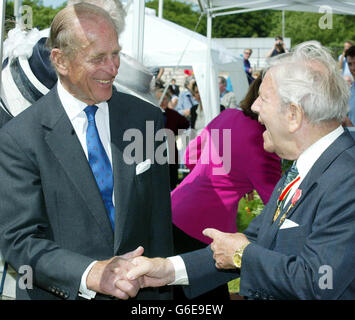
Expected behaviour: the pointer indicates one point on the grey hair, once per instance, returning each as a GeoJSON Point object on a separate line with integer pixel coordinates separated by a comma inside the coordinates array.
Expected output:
{"type": "Point", "coordinates": [113, 7]}
{"type": "Point", "coordinates": [309, 77]}
{"type": "Point", "coordinates": [61, 34]}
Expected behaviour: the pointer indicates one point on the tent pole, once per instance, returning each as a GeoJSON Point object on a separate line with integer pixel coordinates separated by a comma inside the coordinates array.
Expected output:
{"type": "Point", "coordinates": [283, 24]}
{"type": "Point", "coordinates": [2, 31]}
{"type": "Point", "coordinates": [138, 29]}
{"type": "Point", "coordinates": [17, 14]}
{"type": "Point", "coordinates": [160, 9]}
{"type": "Point", "coordinates": [208, 69]}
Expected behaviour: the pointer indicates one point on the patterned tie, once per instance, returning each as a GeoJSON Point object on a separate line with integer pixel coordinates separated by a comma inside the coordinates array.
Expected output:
{"type": "Point", "coordinates": [291, 176]}
{"type": "Point", "coordinates": [99, 163]}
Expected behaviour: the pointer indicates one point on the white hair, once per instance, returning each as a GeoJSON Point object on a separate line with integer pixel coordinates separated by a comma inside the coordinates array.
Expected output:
{"type": "Point", "coordinates": [309, 77]}
{"type": "Point", "coordinates": [113, 7]}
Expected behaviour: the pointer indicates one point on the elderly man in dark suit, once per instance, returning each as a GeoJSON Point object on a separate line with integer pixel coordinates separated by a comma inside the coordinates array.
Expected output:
{"type": "Point", "coordinates": [73, 198]}
{"type": "Point", "coordinates": [302, 245]}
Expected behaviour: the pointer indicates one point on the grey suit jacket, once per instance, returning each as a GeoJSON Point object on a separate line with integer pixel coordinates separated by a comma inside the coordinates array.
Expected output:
{"type": "Point", "coordinates": [314, 260]}
{"type": "Point", "coordinates": [52, 214]}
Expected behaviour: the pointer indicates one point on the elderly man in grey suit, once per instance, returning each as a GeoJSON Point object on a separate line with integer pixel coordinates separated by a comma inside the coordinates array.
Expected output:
{"type": "Point", "coordinates": [302, 245]}
{"type": "Point", "coordinates": [75, 206]}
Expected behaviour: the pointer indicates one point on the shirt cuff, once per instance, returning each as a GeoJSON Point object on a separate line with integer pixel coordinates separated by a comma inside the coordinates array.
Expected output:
{"type": "Point", "coordinates": [84, 292]}
{"type": "Point", "coordinates": [181, 277]}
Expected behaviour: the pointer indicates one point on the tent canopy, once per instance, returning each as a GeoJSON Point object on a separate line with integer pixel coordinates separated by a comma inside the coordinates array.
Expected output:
{"type": "Point", "coordinates": [214, 7]}
{"type": "Point", "coordinates": [167, 44]}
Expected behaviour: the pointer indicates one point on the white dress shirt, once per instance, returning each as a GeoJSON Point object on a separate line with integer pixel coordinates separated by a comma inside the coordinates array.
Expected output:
{"type": "Point", "coordinates": [74, 108]}
{"type": "Point", "coordinates": [304, 164]}
{"type": "Point", "coordinates": [308, 157]}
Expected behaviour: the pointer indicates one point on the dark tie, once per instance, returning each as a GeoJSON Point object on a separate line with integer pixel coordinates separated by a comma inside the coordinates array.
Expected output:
{"type": "Point", "coordinates": [99, 163]}
{"type": "Point", "coordinates": [291, 174]}
{"type": "Point", "coordinates": [290, 180]}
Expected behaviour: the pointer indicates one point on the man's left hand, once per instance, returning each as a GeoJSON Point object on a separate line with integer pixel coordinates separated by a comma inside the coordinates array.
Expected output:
{"type": "Point", "coordinates": [224, 246]}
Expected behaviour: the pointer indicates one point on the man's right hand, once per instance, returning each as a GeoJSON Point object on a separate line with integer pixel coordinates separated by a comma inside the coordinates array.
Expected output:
{"type": "Point", "coordinates": [109, 277]}
{"type": "Point", "coordinates": [154, 272]}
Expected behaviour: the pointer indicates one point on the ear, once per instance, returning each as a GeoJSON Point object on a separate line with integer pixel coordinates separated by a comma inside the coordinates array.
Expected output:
{"type": "Point", "coordinates": [60, 61]}
{"type": "Point", "coordinates": [295, 116]}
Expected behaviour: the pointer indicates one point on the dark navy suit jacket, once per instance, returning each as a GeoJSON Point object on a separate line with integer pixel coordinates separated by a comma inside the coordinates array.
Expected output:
{"type": "Point", "coordinates": [314, 260]}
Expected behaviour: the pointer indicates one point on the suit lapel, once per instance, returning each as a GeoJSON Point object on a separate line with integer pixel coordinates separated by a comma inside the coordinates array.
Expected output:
{"type": "Point", "coordinates": [124, 172]}
{"type": "Point", "coordinates": [65, 145]}
{"type": "Point", "coordinates": [344, 142]}
{"type": "Point", "coordinates": [269, 229]}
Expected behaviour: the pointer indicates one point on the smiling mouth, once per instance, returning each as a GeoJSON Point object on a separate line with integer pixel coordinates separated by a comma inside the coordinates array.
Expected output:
{"type": "Point", "coordinates": [104, 81]}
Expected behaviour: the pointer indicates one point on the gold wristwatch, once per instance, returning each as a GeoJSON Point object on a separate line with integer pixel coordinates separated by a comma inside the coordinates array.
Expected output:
{"type": "Point", "coordinates": [237, 257]}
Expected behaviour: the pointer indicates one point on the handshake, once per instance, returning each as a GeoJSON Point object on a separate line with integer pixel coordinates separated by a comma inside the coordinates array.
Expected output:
{"type": "Point", "coordinates": [123, 276]}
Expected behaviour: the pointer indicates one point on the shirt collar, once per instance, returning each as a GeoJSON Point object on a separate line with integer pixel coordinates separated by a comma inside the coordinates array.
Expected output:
{"type": "Point", "coordinates": [73, 106]}
{"type": "Point", "coordinates": [312, 153]}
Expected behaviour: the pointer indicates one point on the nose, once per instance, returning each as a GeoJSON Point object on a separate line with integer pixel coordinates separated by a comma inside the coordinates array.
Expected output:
{"type": "Point", "coordinates": [255, 107]}
{"type": "Point", "coordinates": [112, 64]}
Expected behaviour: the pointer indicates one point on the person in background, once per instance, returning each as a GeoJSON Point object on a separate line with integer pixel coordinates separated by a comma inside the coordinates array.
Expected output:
{"type": "Point", "coordinates": [207, 199]}
{"type": "Point", "coordinates": [247, 68]}
{"type": "Point", "coordinates": [173, 98]}
{"type": "Point", "coordinates": [343, 65]}
{"type": "Point", "coordinates": [186, 99]}
{"type": "Point", "coordinates": [278, 48]}
{"type": "Point", "coordinates": [227, 98]}
{"type": "Point", "coordinates": [175, 88]}
{"type": "Point", "coordinates": [174, 122]}
{"type": "Point", "coordinates": [197, 119]}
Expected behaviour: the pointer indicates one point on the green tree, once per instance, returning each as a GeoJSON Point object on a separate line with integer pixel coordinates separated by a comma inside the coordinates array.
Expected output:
{"type": "Point", "coordinates": [180, 13]}
{"type": "Point", "coordinates": [304, 26]}
{"type": "Point", "coordinates": [253, 24]}
{"type": "Point", "coordinates": [248, 25]}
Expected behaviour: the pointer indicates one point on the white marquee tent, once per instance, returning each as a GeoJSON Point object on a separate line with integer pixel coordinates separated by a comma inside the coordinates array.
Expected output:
{"type": "Point", "coordinates": [215, 7]}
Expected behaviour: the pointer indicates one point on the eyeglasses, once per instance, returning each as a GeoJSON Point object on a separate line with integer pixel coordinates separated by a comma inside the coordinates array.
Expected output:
{"type": "Point", "coordinates": [248, 53]}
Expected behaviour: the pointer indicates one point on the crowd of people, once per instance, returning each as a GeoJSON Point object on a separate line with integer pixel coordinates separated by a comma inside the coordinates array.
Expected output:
{"type": "Point", "coordinates": [94, 221]}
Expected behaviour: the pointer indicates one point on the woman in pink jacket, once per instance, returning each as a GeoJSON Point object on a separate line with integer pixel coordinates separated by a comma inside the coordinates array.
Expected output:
{"type": "Point", "coordinates": [227, 161]}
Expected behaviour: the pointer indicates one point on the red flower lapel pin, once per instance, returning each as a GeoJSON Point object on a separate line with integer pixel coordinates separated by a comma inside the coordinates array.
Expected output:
{"type": "Point", "coordinates": [296, 196]}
